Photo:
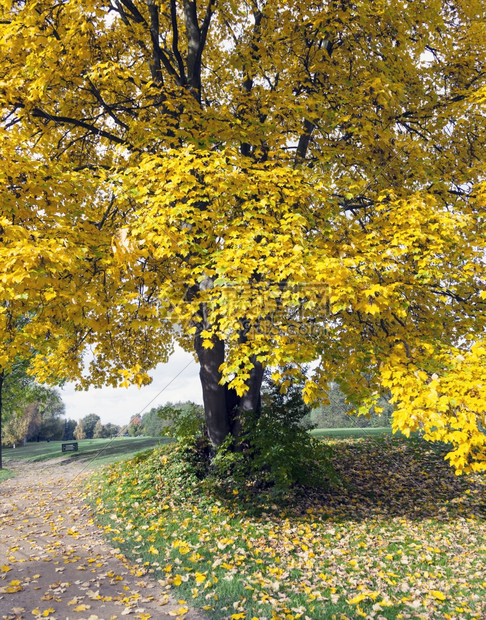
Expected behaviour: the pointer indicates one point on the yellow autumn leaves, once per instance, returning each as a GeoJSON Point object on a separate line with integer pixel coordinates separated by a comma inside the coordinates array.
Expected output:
{"type": "Point", "coordinates": [316, 188]}
{"type": "Point", "coordinates": [450, 407]}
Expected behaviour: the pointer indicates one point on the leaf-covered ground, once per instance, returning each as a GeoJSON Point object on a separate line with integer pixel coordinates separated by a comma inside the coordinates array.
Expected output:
{"type": "Point", "coordinates": [401, 537]}
{"type": "Point", "coordinates": [54, 563]}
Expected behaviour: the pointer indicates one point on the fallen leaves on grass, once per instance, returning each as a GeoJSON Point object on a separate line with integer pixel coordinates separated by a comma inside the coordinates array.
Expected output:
{"type": "Point", "coordinates": [401, 537]}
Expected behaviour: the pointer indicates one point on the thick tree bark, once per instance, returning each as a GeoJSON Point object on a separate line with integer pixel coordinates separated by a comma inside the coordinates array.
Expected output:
{"type": "Point", "coordinates": [250, 401]}
{"type": "Point", "coordinates": [222, 407]}
{"type": "Point", "coordinates": [214, 394]}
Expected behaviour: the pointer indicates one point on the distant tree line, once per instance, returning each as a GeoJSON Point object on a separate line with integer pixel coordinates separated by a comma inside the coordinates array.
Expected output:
{"type": "Point", "coordinates": [158, 420]}
{"type": "Point", "coordinates": [335, 413]}
{"type": "Point", "coordinates": [30, 411]}
{"type": "Point", "coordinates": [91, 427]}
{"type": "Point", "coordinates": [33, 412]}
{"type": "Point", "coordinates": [153, 423]}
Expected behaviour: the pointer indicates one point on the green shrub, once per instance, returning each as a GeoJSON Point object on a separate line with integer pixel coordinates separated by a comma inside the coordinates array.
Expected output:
{"type": "Point", "coordinates": [274, 452]}
{"type": "Point", "coordinates": [272, 456]}
{"type": "Point", "coordinates": [183, 421]}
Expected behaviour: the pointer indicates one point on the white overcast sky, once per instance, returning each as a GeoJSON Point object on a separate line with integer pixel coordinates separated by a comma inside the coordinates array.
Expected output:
{"type": "Point", "coordinates": [117, 405]}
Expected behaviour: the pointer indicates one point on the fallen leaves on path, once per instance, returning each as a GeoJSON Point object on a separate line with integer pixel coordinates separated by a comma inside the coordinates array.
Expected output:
{"type": "Point", "coordinates": [54, 563]}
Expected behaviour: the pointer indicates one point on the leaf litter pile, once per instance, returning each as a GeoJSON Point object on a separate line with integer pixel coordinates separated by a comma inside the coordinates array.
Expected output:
{"type": "Point", "coordinates": [400, 536]}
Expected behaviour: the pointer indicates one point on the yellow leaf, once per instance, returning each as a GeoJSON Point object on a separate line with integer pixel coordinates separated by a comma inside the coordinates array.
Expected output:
{"type": "Point", "coordinates": [357, 599]}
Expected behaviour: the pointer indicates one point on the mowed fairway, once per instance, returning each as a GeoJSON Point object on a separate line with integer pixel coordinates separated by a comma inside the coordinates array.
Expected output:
{"type": "Point", "coordinates": [93, 451]}
{"type": "Point", "coordinates": [401, 537]}
{"type": "Point", "coordinates": [343, 433]}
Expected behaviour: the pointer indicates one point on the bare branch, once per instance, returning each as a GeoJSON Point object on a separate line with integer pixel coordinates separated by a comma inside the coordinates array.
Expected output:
{"type": "Point", "coordinates": [304, 140]}
{"type": "Point", "coordinates": [134, 12]}
{"type": "Point", "coordinates": [105, 106]}
{"type": "Point", "coordinates": [38, 113]}
{"type": "Point", "coordinates": [159, 56]}
{"type": "Point", "coordinates": [175, 41]}
{"type": "Point", "coordinates": [206, 23]}
{"type": "Point", "coordinates": [193, 47]}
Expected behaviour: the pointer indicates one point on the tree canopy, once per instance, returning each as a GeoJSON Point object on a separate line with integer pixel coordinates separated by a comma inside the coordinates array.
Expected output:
{"type": "Point", "coordinates": [266, 184]}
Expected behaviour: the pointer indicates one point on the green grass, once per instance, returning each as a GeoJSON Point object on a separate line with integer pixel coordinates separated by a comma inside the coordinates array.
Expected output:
{"type": "Point", "coordinates": [351, 432]}
{"type": "Point", "coordinates": [95, 451]}
{"type": "Point", "coordinates": [401, 537]}
{"type": "Point", "coordinates": [5, 474]}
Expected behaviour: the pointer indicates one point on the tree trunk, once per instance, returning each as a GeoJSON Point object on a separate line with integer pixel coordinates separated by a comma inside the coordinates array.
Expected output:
{"type": "Point", "coordinates": [250, 401]}
{"type": "Point", "coordinates": [214, 394]}
{"type": "Point", "coordinates": [222, 406]}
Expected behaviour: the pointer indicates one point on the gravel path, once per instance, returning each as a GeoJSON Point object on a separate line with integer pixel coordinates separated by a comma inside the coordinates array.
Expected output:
{"type": "Point", "coordinates": [54, 562]}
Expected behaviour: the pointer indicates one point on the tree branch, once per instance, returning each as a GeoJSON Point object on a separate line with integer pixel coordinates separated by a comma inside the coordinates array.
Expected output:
{"type": "Point", "coordinates": [196, 41]}
{"type": "Point", "coordinates": [206, 23]}
{"type": "Point", "coordinates": [175, 41]}
{"type": "Point", "coordinates": [304, 140]}
{"type": "Point", "coordinates": [105, 106]}
{"type": "Point", "coordinates": [193, 48]}
{"type": "Point", "coordinates": [135, 13]}
{"type": "Point", "coordinates": [38, 113]}
{"type": "Point", "coordinates": [158, 55]}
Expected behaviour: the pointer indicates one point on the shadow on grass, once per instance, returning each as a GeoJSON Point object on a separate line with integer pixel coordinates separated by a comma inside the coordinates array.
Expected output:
{"type": "Point", "coordinates": [391, 477]}
{"type": "Point", "coordinates": [380, 478]}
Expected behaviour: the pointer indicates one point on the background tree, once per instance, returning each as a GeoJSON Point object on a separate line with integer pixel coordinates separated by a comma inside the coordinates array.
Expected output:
{"type": "Point", "coordinates": [88, 424]}
{"type": "Point", "coordinates": [80, 431]}
{"type": "Point", "coordinates": [265, 183]}
{"type": "Point", "coordinates": [336, 412]}
{"type": "Point", "coordinates": [100, 431]}
{"type": "Point", "coordinates": [135, 426]}
{"type": "Point", "coordinates": [153, 421]}
{"type": "Point", "coordinates": [23, 425]}
{"type": "Point", "coordinates": [183, 421]}
{"type": "Point", "coordinates": [68, 432]}
{"type": "Point", "coordinates": [51, 410]}
{"type": "Point", "coordinates": [13, 387]}
{"type": "Point", "coordinates": [112, 430]}
{"type": "Point", "coordinates": [30, 411]}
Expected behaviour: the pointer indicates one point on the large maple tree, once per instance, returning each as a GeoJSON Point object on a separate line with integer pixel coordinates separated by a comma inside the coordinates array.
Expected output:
{"type": "Point", "coordinates": [265, 183]}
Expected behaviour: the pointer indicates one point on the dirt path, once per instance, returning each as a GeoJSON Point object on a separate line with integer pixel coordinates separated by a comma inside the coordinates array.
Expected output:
{"type": "Point", "coordinates": [54, 562]}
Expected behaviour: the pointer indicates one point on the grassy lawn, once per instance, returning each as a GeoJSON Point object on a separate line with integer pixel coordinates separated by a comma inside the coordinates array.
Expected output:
{"type": "Point", "coordinates": [95, 451]}
{"type": "Point", "coordinates": [351, 432]}
{"type": "Point", "coordinates": [5, 474]}
{"type": "Point", "coordinates": [400, 537]}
